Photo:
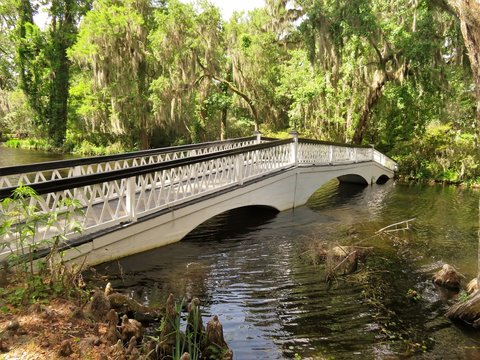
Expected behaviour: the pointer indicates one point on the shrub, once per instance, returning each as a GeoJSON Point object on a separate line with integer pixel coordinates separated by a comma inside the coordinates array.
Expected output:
{"type": "Point", "coordinates": [20, 223]}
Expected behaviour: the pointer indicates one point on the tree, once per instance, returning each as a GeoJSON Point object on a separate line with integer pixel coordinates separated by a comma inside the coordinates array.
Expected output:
{"type": "Point", "coordinates": [43, 64]}
{"type": "Point", "coordinates": [62, 35]}
{"type": "Point", "coordinates": [7, 45]}
{"type": "Point", "coordinates": [256, 53]}
{"type": "Point", "coordinates": [360, 48]}
{"type": "Point", "coordinates": [468, 12]}
{"type": "Point", "coordinates": [187, 46]}
{"type": "Point", "coordinates": [111, 46]}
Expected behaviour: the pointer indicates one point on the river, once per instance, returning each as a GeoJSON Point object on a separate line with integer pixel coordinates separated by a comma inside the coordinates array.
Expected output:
{"type": "Point", "coordinates": [253, 269]}
{"type": "Point", "coordinates": [11, 157]}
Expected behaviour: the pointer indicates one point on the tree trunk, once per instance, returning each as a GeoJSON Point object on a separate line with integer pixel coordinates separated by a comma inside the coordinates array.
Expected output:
{"type": "Point", "coordinates": [143, 106]}
{"type": "Point", "coordinates": [63, 31]}
{"type": "Point", "coordinates": [468, 11]}
{"type": "Point", "coordinates": [374, 94]}
{"type": "Point", "coordinates": [471, 36]}
{"type": "Point", "coordinates": [223, 123]}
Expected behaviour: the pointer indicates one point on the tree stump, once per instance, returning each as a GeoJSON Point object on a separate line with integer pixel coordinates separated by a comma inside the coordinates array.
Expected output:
{"type": "Point", "coordinates": [195, 327]}
{"type": "Point", "coordinates": [467, 312]}
{"type": "Point", "coordinates": [448, 277]}
{"type": "Point", "coordinates": [472, 286]}
{"type": "Point", "coordinates": [130, 328]}
{"type": "Point", "coordinates": [166, 340]}
{"type": "Point", "coordinates": [117, 351]}
{"type": "Point", "coordinates": [65, 348]}
{"type": "Point", "coordinates": [215, 345]}
{"type": "Point", "coordinates": [112, 334]}
{"type": "Point", "coordinates": [99, 306]}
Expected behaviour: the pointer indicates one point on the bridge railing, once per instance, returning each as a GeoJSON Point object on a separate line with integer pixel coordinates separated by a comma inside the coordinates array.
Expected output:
{"type": "Point", "coordinates": [314, 152]}
{"type": "Point", "coordinates": [118, 196]}
{"type": "Point", "coordinates": [384, 160]}
{"type": "Point", "coordinates": [55, 170]}
{"type": "Point", "coordinates": [123, 195]}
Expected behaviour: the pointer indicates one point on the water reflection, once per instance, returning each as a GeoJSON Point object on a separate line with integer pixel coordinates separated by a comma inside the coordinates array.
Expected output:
{"type": "Point", "coordinates": [248, 266]}
{"type": "Point", "coordinates": [12, 157]}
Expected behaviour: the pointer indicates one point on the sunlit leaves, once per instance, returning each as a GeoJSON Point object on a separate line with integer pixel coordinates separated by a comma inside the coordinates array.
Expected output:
{"type": "Point", "coordinates": [112, 45]}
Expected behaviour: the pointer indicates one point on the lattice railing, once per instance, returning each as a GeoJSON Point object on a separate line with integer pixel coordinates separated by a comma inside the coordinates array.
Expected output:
{"type": "Point", "coordinates": [384, 160]}
{"type": "Point", "coordinates": [125, 193]}
{"type": "Point", "coordinates": [42, 172]}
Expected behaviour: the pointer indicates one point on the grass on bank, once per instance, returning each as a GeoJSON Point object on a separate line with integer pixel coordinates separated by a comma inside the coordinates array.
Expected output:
{"type": "Point", "coordinates": [85, 148]}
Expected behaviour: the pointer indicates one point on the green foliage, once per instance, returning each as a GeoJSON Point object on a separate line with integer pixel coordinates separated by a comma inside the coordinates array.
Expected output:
{"type": "Point", "coordinates": [31, 144]}
{"type": "Point", "coordinates": [442, 153]}
{"type": "Point", "coordinates": [111, 49]}
{"type": "Point", "coordinates": [189, 341]}
{"type": "Point", "coordinates": [21, 223]}
{"type": "Point", "coordinates": [16, 115]}
{"type": "Point", "coordinates": [7, 45]}
{"type": "Point", "coordinates": [147, 73]}
{"type": "Point", "coordinates": [43, 64]}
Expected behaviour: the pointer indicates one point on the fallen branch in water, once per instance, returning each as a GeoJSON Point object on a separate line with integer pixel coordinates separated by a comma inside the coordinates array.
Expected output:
{"type": "Point", "coordinates": [388, 229]}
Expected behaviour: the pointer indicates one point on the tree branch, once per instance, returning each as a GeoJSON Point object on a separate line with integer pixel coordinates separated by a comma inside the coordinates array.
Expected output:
{"type": "Point", "coordinates": [232, 87]}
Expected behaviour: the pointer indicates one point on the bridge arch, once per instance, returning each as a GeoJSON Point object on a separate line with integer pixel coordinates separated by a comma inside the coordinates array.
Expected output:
{"type": "Point", "coordinates": [353, 178]}
{"type": "Point", "coordinates": [311, 179]}
{"type": "Point", "coordinates": [382, 179]}
{"type": "Point", "coordinates": [241, 218]}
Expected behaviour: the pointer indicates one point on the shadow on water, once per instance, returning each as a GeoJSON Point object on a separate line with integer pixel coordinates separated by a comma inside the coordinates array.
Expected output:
{"type": "Point", "coordinates": [232, 224]}
{"type": "Point", "coordinates": [179, 267]}
{"type": "Point", "coordinates": [248, 267]}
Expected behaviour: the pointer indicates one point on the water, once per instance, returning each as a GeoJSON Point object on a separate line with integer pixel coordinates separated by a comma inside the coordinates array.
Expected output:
{"type": "Point", "coordinates": [251, 267]}
{"type": "Point", "coordinates": [11, 157]}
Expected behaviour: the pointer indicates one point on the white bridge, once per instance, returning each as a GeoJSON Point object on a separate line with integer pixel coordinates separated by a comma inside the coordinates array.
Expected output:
{"type": "Point", "coordinates": [146, 199]}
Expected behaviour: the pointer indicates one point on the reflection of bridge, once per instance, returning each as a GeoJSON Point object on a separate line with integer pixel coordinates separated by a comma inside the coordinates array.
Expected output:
{"type": "Point", "coordinates": [141, 200]}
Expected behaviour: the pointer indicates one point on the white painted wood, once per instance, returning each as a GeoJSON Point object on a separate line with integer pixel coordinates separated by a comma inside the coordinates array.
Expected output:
{"type": "Point", "coordinates": [281, 176]}
{"type": "Point", "coordinates": [290, 188]}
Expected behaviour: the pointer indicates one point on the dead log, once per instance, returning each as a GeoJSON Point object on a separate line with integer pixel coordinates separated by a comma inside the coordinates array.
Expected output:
{"type": "Point", "coordinates": [344, 259]}
{"type": "Point", "coordinates": [125, 305]}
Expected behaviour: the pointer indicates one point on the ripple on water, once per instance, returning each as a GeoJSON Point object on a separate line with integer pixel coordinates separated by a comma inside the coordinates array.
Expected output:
{"type": "Point", "coordinates": [248, 268]}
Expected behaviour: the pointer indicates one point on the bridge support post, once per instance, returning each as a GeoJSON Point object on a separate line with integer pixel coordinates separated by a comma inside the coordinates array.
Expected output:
{"type": "Point", "coordinates": [294, 147]}
{"type": "Point", "coordinates": [258, 134]}
{"type": "Point", "coordinates": [240, 165]}
{"type": "Point", "coordinates": [330, 154]}
{"type": "Point", "coordinates": [77, 171]}
{"type": "Point", "coordinates": [130, 198]}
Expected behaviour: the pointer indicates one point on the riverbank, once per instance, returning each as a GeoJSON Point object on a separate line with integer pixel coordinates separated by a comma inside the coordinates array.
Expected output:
{"type": "Point", "coordinates": [51, 330]}
{"type": "Point", "coordinates": [472, 183]}
{"type": "Point", "coordinates": [85, 148]}
{"type": "Point", "coordinates": [109, 326]}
